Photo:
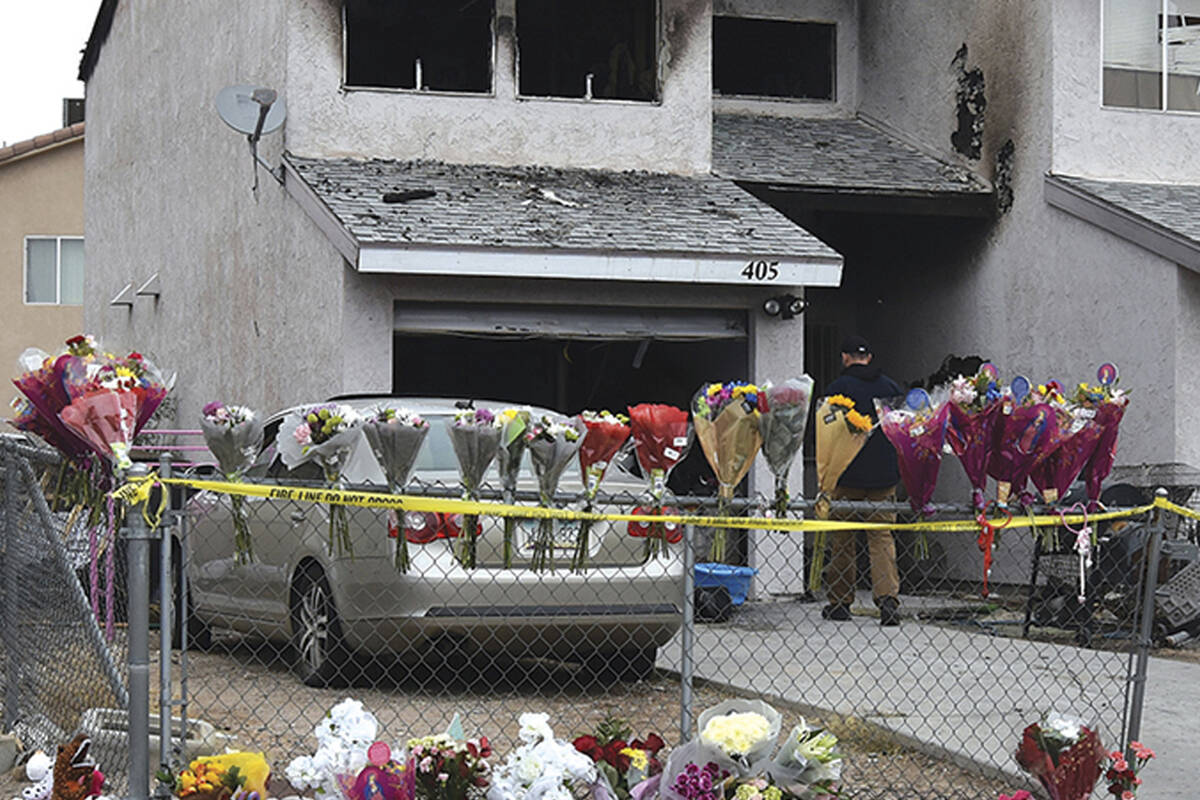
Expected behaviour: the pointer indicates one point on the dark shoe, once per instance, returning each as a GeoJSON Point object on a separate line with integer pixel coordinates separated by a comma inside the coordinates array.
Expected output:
{"type": "Point", "coordinates": [838, 612]}
{"type": "Point", "coordinates": [889, 612]}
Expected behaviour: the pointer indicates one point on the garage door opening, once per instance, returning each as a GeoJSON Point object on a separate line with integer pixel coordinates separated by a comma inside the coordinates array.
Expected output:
{"type": "Point", "coordinates": [569, 360]}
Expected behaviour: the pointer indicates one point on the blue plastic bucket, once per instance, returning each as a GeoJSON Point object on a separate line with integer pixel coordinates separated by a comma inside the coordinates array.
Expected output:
{"type": "Point", "coordinates": [735, 579]}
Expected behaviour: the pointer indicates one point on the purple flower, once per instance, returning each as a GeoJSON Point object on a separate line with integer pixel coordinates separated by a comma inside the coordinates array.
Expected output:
{"type": "Point", "coordinates": [484, 415]}
{"type": "Point", "coordinates": [212, 408]}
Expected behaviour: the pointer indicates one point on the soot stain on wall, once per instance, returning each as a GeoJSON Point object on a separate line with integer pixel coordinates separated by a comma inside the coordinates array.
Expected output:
{"type": "Point", "coordinates": [970, 104]}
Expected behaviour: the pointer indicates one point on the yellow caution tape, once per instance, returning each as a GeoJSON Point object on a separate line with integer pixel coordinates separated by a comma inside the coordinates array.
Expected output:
{"type": "Point", "coordinates": [137, 491]}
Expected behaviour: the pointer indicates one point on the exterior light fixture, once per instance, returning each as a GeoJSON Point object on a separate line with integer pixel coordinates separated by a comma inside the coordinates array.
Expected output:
{"type": "Point", "coordinates": [784, 306]}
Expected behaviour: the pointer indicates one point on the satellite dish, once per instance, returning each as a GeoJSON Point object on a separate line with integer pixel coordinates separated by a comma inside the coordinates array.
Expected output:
{"type": "Point", "coordinates": [252, 110]}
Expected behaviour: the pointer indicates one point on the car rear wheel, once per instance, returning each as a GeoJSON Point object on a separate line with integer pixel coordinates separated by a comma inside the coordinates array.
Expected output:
{"type": "Point", "coordinates": [320, 656]}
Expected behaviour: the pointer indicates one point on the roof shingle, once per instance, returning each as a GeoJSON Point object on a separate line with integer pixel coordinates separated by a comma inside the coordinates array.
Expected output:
{"type": "Point", "coordinates": [846, 154]}
{"type": "Point", "coordinates": [538, 207]}
{"type": "Point", "coordinates": [18, 149]}
{"type": "Point", "coordinates": [1173, 207]}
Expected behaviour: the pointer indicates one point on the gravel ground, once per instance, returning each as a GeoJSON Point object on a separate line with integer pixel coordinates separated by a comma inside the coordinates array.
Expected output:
{"type": "Point", "coordinates": [245, 689]}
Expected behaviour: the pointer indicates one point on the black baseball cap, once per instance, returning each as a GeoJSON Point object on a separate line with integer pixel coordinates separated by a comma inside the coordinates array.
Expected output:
{"type": "Point", "coordinates": [856, 345]}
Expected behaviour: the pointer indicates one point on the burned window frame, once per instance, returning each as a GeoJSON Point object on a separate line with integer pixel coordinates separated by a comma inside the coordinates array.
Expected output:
{"type": "Point", "coordinates": [347, 86]}
{"type": "Point", "coordinates": [834, 93]}
{"type": "Point", "coordinates": [657, 99]}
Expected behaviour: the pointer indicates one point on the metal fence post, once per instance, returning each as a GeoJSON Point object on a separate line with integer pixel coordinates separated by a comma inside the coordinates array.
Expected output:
{"type": "Point", "coordinates": [138, 535]}
{"type": "Point", "coordinates": [687, 666]}
{"type": "Point", "coordinates": [12, 647]}
{"type": "Point", "coordinates": [1133, 730]}
{"type": "Point", "coordinates": [166, 619]}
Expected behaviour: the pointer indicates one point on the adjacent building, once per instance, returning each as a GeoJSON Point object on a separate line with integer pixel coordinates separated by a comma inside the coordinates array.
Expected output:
{"type": "Point", "coordinates": [41, 242]}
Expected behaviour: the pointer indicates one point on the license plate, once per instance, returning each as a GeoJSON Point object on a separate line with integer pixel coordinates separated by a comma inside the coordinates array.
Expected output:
{"type": "Point", "coordinates": [565, 534]}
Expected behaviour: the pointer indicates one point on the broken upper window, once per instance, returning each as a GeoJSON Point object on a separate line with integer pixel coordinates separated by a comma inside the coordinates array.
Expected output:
{"type": "Point", "coordinates": [415, 44]}
{"type": "Point", "coordinates": [1138, 35]}
{"type": "Point", "coordinates": [773, 58]}
{"type": "Point", "coordinates": [607, 46]}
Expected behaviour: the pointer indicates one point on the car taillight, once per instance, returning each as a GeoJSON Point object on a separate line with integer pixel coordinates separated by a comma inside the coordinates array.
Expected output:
{"type": "Point", "coordinates": [672, 531]}
{"type": "Point", "coordinates": [421, 527]}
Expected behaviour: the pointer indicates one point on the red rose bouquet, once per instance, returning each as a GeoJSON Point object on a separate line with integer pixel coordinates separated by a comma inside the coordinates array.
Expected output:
{"type": "Point", "coordinates": [606, 435]}
{"type": "Point", "coordinates": [1063, 755]}
{"type": "Point", "coordinates": [625, 762]}
{"type": "Point", "coordinates": [661, 436]}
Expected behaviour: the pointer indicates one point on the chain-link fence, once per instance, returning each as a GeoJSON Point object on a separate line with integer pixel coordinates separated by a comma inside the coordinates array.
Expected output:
{"type": "Point", "coordinates": [629, 625]}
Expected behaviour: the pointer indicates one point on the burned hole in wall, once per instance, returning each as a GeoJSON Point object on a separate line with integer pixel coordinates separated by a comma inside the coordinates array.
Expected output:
{"type": "Point", "coordinates": [774, 58]}
{"type": "Point", "coordinates": [614, 41]}
{"type": "Point", "coordinates": [445, 46]}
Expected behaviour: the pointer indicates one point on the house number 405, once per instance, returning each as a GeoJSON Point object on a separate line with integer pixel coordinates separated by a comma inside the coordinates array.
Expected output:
{"type": "Point", "coordinates": [761, 271]}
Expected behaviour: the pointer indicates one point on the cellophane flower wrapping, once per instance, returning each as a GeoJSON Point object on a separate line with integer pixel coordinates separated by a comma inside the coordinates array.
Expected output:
{"type": "Point", "coordinates": [1079, 435]}
{"type": "Point", "coordinates": [327, 435]}
{"type": "Point", "coordinates": [545, 768]}
{"type": "Point", "coordinates": [974, 408]}
{"type": "Point", "coordinates": [1065, 756]}
{"type": "Point", "coordinates": [1108, 417]}
{"type": "Point", "coordinates": [781, 423]}
{"type": "Point", "coordinates": [40, 381]}
{"type": "Point", "coordinates": [918, 436]}
{"type": "Point", "coordinates": [1023, 435]}
{"type": "Point", "coordinates": [725, 417]}
{"type": "Point", "coordinates": [606, 434]}
{"type": "Point", "coordinates": [661, 436]}
{"type": "Point", "coordinates": [343, 736]}
{"type": "Point", "coordinates": [553, 444]}
{"type": "Point", "coordinates": [513, 424]}
{"type": "Point", "coordinates": [395, 436]}
{"type": "Point", "coordinates": [841, 432]}
{"type": "Point", "coordinates": [234, 435]}
{"type": "Point", "coordinates": [475, 437]}
{"type": "Point", "coordinates": [808, 764]}
{"type": "Point", "coordinates": [104, 413]}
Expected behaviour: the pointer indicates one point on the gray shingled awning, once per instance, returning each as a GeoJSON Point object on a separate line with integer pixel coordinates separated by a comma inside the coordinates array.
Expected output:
{"type": "Point", "coordinates": [433, 218]}
{"type": "Point", "coordinates": [838, 157]}
{"type": "Point", "coordinates": [1161, 217]}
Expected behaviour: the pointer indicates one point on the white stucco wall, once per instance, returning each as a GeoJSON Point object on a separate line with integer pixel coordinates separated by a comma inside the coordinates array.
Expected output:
{"type": "Point", "coordinates": [674, 135]}
{"type": "Point", "coordinates": [251, 308]}
{"type": "Point", "coordinates": [1097, 142]}
{"type": "Point", "coordinates": [1187, 368]}
{"type": "Point", "coordinates": [842, 13]}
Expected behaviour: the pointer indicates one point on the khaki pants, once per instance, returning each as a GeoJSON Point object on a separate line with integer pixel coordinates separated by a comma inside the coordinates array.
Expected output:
{"type": "Point", "coordinates": [841, 574]}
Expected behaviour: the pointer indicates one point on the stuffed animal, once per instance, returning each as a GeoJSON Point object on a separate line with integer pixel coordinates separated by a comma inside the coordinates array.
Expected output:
{"type": "Point", "coordinates": [75, 774]}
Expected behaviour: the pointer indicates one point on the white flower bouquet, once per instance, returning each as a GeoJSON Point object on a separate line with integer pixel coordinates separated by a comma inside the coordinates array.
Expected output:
{"type": "Point", "coordinates": [545, 768]}
{"type": "Point", "coordinates": [234, 435]}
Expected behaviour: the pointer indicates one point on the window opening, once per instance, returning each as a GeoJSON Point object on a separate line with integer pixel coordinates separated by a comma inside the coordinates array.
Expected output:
{"type": "Point", "coordinates": [774, 58]}
{"type": "Point", "coordinates": [1145, 42]}
{"type": "Point", "coordinates": [407, 44]}
{"type": "Point", "coordinates": [605, 50]}
{"type": "Point", "coordinates": [54, 270]}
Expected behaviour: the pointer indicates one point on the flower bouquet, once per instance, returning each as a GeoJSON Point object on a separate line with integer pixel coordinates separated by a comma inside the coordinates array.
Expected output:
{"type": "Point", "coordinates": [395, 436]}
{"type": "Point", "coordinates": [1123, 777]}
{"type": "Point", "coordinates": [1063, 755]}
{"type": "Point", "coordinates": [841, 433]}
{"type": "Point", "coordinates": [808, 764]}
{"type": "Point", "coordinates": [513, 424]}
{"type": "Point", "coordinates": [974, 407]}
{"type": "Point", "coordinates": [623, 761]}
{"type": "Point", "coordinates": [726, 421]}
{"type": "Point", "coordinates": [1025, 433]}
{"type": "Point", "coordinates": [545, 768]}
{"type": "Point", "coordinates": [475, 436]}
{"type": "Point", "coordinates": [41, 382]}
{"type": "Point", "coordinates": [344, 736]}
{"type": "Point", "coordinates": [325, 434]}
{"type": "Point", "coordinates": [446, 769]}
{"type": "Point", "coordinates": [236, 775]}
{"type": "Point", "coordinates": [1109, 404]}
{"type": "Point", "coordinates": [917, 429]}
{"type": "Point", "coordinates": [110, 400]}
{"type": "Point", "coordinates": [1078, 437]}
{"type": "Point", "coordinates": [661, 436]}
{"type": "Point", "coordinates": [781, 421]}
{"type": "Point", "coordinates": [553, 444]}
{"type": "Point", "coordinates": [606, 435]}
{"type": "Point", "coordinates": [234, 435]}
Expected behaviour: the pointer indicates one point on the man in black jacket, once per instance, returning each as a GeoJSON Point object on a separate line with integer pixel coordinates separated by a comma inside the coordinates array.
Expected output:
{"type": "Point", "coordinates": [871, 476]}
